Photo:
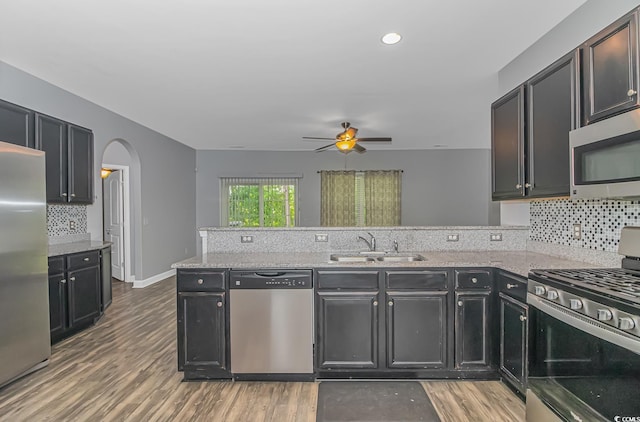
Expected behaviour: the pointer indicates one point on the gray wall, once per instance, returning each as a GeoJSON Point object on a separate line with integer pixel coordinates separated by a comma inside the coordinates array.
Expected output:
{"type": "Point", "coordinates": [166, 189]}
{"type": "Point", "coordinates": [439, 187]}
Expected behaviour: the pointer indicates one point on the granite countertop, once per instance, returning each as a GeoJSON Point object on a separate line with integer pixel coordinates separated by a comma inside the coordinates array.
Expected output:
{"type": "Point", "coordinates": [75, 247]}
{"type": "Point", "coordinates": [518, 262]}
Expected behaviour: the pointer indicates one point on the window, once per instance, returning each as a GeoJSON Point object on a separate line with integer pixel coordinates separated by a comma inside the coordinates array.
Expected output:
{"type": "Point", "coordinates": [360, 198]}
{"type": "Point", "coordinates": [258, 201]}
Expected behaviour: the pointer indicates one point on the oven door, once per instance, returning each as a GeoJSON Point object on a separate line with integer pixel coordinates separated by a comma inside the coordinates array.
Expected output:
{"type": "Point", "coordinates": [580, 369]}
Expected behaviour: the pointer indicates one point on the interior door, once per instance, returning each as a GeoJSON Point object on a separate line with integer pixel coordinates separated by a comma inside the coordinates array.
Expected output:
{"type": "Point", "coordinates": [113, 221]}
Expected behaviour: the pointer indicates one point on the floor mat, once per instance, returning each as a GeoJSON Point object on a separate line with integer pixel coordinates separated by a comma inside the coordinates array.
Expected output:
{"type": "Point", "coordinates": [369, 401]}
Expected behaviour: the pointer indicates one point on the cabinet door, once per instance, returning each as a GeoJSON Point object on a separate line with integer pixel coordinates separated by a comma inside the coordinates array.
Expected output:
{"type": "Point", "coordinates": [80, 165]}
{"type": "Point", "coordinates": [552, 98]}
{"type": "Point", "coordinates": [507, 144]}
{"type": "Point", "coordinates": [416, 329]}
{"type": "Point", "coordinates": [16, 125]}
{"type": "Point", "coordinates": [57, 305]}
{"type": "Point", "coordinates": [202, 344]}
{"type": "Point", "coordinates": [347, 330]}
{"type": "Point", "coordinates": [84, 295]}
{"type": "Point", "coordinates": [513, 341]}
{"type": "Point", "coordinates": [51, 137]}
{"type": "Point", "coordinates": [473, 329]}
{"type": "Point", "coordinates": [611, 70]}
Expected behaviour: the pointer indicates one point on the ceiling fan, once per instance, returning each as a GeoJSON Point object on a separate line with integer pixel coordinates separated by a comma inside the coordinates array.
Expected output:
{"type": "Point", "coordinates": [346, 141]}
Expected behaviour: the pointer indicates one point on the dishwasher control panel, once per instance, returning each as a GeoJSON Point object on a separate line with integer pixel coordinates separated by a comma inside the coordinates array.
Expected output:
{"type": "Point", "coordinates": [271, 279]}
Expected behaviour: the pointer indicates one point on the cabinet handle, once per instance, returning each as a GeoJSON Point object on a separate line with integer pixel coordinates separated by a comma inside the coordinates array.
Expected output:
{"type": "Point", "coordinates": [518, 186]}
{"type": "Point", "coordinates": [72, 279]}
{"type": "Point", "coordinates": [86, 260]}
{"type": "Point", "coordinates": [200, 281]}
{"type": "Point", "coordinates": [73, 195]}
{"type": "Point", "coordinates": [375, 303]}
{"type": "Point", "coordinates": [474, 280]}
{"type": "Point", "coordinates": [64, 194]}
{"type": "Point", "coordinates": [460, 303]}
{"type": "Point", "coordinates": [631, 92]}
{"type": "Point", "coordinates": [391, 303]}
{"type": "Point", "coordinates": [63, 281]}
{"type": "Point", "coordinates": [511, 286]}
{"type": "Point", "coordinates": [523, 318]}
{"type": "Point", "coordinates": [219, 304]}
{"type": "Point", "coordinates": [527, 185]}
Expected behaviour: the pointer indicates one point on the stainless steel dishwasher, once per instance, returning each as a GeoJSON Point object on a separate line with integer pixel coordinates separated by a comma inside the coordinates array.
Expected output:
{"type": "Point", "coordinates": [271, 322]}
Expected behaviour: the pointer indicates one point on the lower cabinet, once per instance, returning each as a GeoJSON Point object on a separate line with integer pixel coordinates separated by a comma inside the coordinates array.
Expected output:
{"type": "Point", "coordinates": [473, 329]}
{"type": "Point", "coordinates": [74, 292]}
{"type": "Point", "coordinates": [513, 331]}
{"type": "Point", "coordinates": [203, 347]}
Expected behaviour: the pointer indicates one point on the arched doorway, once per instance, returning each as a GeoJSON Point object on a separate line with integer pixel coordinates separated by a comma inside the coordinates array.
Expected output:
{"type": "Point", "coordinates": [121, 208]}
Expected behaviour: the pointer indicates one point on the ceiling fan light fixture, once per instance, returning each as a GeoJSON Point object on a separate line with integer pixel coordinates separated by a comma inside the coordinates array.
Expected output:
{"type": "Point", "coordinates": [345, 145]}
{"type": "Point", "coordinates": [391, 38]}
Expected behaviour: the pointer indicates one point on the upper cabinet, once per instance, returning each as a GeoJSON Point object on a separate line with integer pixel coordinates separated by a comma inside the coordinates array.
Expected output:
{"type": "Point", "coordinates": [530, 133]}
{"type": "Point", "coordinates": [610, 70]}
{"type": "Point", "coordinates": [16, 125]}
{"type": "Point", "coordinates": [69, 160]}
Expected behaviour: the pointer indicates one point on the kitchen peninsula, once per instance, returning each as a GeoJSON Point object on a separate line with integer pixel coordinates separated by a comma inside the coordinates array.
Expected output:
{"type": "Point", "coordinates": [435, 308]}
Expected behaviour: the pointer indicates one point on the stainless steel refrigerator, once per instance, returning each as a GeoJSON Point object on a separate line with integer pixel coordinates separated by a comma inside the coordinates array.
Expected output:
{"type": "Point", "coordinates": [24, 293]}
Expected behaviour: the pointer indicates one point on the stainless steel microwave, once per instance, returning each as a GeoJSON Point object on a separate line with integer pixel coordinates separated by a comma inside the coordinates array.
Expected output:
{"type": "Point", "coordinates": [605, 158]}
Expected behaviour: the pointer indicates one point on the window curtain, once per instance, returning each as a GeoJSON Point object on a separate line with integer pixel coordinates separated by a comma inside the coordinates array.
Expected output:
{"type": "Point", "coordinates": [382, 195]}
{"type": "Point", "coordinates": [337, 198]}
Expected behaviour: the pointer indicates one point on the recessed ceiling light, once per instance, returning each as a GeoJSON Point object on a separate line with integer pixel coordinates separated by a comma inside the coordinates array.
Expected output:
{"type": "Point", "coordinates": [391, 38]}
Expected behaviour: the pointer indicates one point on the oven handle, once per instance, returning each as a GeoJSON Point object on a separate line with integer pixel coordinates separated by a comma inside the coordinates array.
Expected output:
{"type": "Point", "coordinates": [576, 320]}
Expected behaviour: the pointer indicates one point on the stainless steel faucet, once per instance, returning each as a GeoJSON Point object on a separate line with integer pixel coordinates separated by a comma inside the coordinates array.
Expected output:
{"type": "Point", "coordinates": [370, 243]}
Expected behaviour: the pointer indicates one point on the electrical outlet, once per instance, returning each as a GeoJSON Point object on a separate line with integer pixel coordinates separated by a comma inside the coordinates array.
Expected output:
{"type": "Point", "coordinates": [453, 237]}
{"type": "Point", "coordinates": [577, 231]}
{"type": "Point", "coordinates": [322, 237]}
{"type": "Point", "coordinates": [246, 239]}
{"type": "Point", "coordinates": [496, 237]}
{"type": "Point", "coordinates": [72, 225]}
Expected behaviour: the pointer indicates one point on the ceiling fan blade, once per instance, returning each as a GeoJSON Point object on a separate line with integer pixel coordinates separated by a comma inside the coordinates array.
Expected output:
{"type": "Point", "coordinates": [324, 148]}
{"type": "Point", "coordinates": [359, 148]}
{"type": "Point", "coordinates": [314, 138]}
{"type": "Point", "coordinates": [374, 139]}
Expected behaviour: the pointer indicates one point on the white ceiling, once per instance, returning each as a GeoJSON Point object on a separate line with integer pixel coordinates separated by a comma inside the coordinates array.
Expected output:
{"type": "Point", "coordinates": [262, 74]}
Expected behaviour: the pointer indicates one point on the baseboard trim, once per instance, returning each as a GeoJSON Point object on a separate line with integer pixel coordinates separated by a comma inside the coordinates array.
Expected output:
{"type": "Point", "coordinates": [139, 284]}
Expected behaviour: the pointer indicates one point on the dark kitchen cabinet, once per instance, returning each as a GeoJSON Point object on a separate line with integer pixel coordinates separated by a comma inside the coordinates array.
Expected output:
{"type": "Point", "coordinates": [74, 292]}
{"type": "Point", "coordinates": [473, 331]}
{"type": "Point", "coordinates": [553, 110]}
{"type": "Point", "coordinates": [16, 125]}
{"type": "Point", "coordinates": [203, 346]}
{"type": "Point", "coordinates": [507, 145]}
{"type": "Point", "coordinates": [513, 342]}
{"type": "Point", "coordinates": [530, 133]}
{"type": "Point", "coordinates": [417, 329]}
{"type": "Point", "coordinates": [610, 70]}
{"type": "Point", "coordinates": [69, 160]}
{"type": "Point", "coordinates": [513, 328]}
{"type": "Point", "coordinates": [105, 266]}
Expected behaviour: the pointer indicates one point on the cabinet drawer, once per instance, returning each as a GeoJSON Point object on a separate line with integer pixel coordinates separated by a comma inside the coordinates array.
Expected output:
{"type": "Point", "coordinates": [473, 279]}
{"type": "Point", "coordinates": [513, 285]}
{"type": "Point", "coordinates": [420, 280]}
{"type": "Point", "coordinates": [84, 259]}
{"type": "Point", "coordinates": [201, 281]}
{"type": "Point", "coordinates": [352, 280]}
{"type": "Point", "coordinates": [56, 265]}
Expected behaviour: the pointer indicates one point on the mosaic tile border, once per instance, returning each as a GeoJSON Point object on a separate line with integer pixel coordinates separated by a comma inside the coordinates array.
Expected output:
{"type": "Point", "coordinates": [59, 218]}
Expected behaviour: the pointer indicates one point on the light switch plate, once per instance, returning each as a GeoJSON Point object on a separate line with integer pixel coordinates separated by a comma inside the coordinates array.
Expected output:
{"type": "Point", "coordinates": [322, 237]}
{"type": "Point", "coordinates": [496, 237]}
{"type": "Point", "coordinates": [453, 237]}
{"type": "Point", "coordinates": [246, 239]}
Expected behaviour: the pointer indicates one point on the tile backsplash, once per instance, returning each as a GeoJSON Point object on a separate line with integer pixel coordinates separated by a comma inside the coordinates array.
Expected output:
{"type": "Point", "coordinates": [66, 220]}
{"type": "Point", "coordinates": [601, 221]}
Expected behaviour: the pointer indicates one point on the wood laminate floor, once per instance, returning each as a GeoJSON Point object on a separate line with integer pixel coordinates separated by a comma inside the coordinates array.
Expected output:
{"type": "Point", "coordinates": [124, 369]}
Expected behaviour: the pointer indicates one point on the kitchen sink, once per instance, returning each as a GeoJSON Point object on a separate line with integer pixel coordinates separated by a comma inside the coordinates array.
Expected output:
{"type": "Point", "coordinates": [401, 258]}
{"type": "Point", "coordinates": [351, 258]}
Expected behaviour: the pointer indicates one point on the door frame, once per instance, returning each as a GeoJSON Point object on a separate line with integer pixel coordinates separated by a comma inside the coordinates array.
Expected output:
{"type": "Point", "coordinates": [126, 217]}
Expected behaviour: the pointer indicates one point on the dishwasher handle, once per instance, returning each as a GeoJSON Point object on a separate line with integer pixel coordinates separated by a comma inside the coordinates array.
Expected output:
{"type": "Point", "coordinates": [271, 279]}
{"type": "Point", "coordinates": [271, 274]}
